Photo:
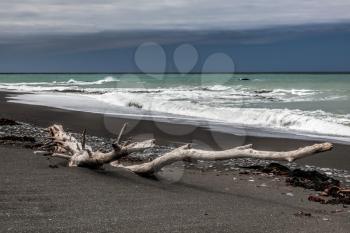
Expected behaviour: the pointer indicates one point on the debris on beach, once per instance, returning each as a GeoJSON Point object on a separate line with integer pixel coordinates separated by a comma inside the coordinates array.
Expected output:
{"type": "Point", "coordinates": [289, 194]}
{"type": "Point", "coordinates": [25, 141]}
{"type": "Point", "coordinates": [337, 195]}
{"type": "Point", "coordinates": [262, 185]}
{"type": "Point", "coordinates": [273, 168]}
{"type": "Point", "coordinates": [302, 214]}
{"type": "Point", "coordinates": [311, 180]}
{"type": "Point", "coordinates": [251, 179]}
{"type": "Point", "coordinates": [315, 198]}
{"type": "Point", "coordinates": [330, 188]}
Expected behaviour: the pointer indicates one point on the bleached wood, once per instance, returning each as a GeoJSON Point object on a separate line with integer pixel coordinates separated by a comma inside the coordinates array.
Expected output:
{"type": "Point", "coordinates": [67, 147]}
{"type": "Point", "coordinates": [83, 143]}
{"type": "Point", "coordinates": [185, 153]}
{"type": "Point", "coordinates": [121, 133]}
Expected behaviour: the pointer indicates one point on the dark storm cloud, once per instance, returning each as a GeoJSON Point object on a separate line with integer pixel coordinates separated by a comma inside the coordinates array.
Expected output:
{"type": "Point", "coordinates": [74, 16]}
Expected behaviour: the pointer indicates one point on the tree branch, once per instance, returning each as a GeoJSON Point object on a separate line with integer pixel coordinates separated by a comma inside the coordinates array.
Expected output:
{"type": "Point", "coordinates": [186, 153]}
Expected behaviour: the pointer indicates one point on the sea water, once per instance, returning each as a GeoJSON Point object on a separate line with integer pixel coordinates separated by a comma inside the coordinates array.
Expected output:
{"type": "Point", "coordinates": [300, 104]}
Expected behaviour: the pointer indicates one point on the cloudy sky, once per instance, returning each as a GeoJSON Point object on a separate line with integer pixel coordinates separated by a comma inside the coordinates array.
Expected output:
{"type": "Point", "coordinates": [103, 35]}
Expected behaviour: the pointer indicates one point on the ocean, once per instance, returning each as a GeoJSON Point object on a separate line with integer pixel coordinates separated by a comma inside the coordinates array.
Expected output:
{"type": "Point", "coordinates": [292, 105]}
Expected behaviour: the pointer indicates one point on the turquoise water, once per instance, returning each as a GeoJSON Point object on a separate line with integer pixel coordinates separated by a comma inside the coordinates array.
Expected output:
{"type": "Point", "coordinates": [316, 104]}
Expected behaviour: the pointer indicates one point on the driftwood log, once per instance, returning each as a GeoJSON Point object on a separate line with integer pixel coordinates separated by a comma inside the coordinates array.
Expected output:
{"type": "Point", "coordinates": [79, 154]}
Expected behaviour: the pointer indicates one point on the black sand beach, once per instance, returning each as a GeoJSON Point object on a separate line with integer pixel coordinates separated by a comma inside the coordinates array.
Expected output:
{"type": "Point", "coordinates": [37, 198]}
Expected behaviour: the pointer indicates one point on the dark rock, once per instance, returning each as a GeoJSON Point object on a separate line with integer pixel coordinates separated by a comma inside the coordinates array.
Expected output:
{"type": "Point", "coordinates": [274, 168]}
{"type": "Point", "coordinates": [340, 196]}
{"type": "Point", "coordinates": [17, 139]}
{"type": "Point", "coordinates": [4, 121]}
{"type": "Point", "coordinates": [339, 200]}
{"type": "Point", "coordinates": [317, 199]}
{"type": "Point", "coordinates": [302, 214]}
{"type": "Point", "coordinates": [311, 180]}
{"type": "Point", "coordinates": [262, 91]}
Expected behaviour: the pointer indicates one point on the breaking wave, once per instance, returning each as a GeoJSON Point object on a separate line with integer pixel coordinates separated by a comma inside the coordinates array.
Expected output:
{"type": "Point", "coordinates": [55, 84]}
{"type": "Point", "coordinates": [108, 79]}
{"type": "Point", "coordinates": [309, 122]}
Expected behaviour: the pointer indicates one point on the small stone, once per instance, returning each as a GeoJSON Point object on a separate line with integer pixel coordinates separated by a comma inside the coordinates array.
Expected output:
{"type": "Point", "coordinates": [290, 194]}
{"type": "Point", "coordinates": [336, 211]}
{"type": "Point", "coordinates": [301, 213]}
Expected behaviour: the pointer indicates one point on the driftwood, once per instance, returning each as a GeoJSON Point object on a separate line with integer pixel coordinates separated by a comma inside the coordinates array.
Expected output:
{"type": "Point", "coordinates": [65, 146]}
{"type": "Point", "coordinates": [81, 155]}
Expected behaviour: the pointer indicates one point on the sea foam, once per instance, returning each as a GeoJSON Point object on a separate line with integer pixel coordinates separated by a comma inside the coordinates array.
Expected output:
{"type": "Point", "coordinates": [293, 120]}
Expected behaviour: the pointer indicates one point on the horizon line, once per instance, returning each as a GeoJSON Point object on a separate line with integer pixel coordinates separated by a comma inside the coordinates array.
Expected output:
{"type": "Point", "coordinates": [257, 72]}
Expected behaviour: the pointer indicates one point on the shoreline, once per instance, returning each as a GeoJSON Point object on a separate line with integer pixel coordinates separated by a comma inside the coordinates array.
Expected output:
{"type": "Point", "coordinates": [70, 101]}
{"type": "Point", "coordinates": [106, 126]}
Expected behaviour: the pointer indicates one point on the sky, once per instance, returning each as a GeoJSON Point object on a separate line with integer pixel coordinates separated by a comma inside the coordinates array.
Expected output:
{"type": "Point", "coordinates": [105, 35]}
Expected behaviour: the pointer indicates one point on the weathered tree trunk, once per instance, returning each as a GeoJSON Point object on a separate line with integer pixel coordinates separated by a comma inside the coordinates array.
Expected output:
{"type": "Point", "coordinates": [79, 154]}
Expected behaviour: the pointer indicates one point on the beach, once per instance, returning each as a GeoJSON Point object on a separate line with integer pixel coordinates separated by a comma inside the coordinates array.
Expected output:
{"type": "Point", "coordinates": [38, 198]}
{"type": "Point", "coordinates": [175, 116]}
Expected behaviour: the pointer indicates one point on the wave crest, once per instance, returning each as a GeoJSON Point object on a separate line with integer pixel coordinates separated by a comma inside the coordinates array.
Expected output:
{"type": "Point", "coordinates": [308, 122]}
{"type": "Point", "coordinates": [107, 79]}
